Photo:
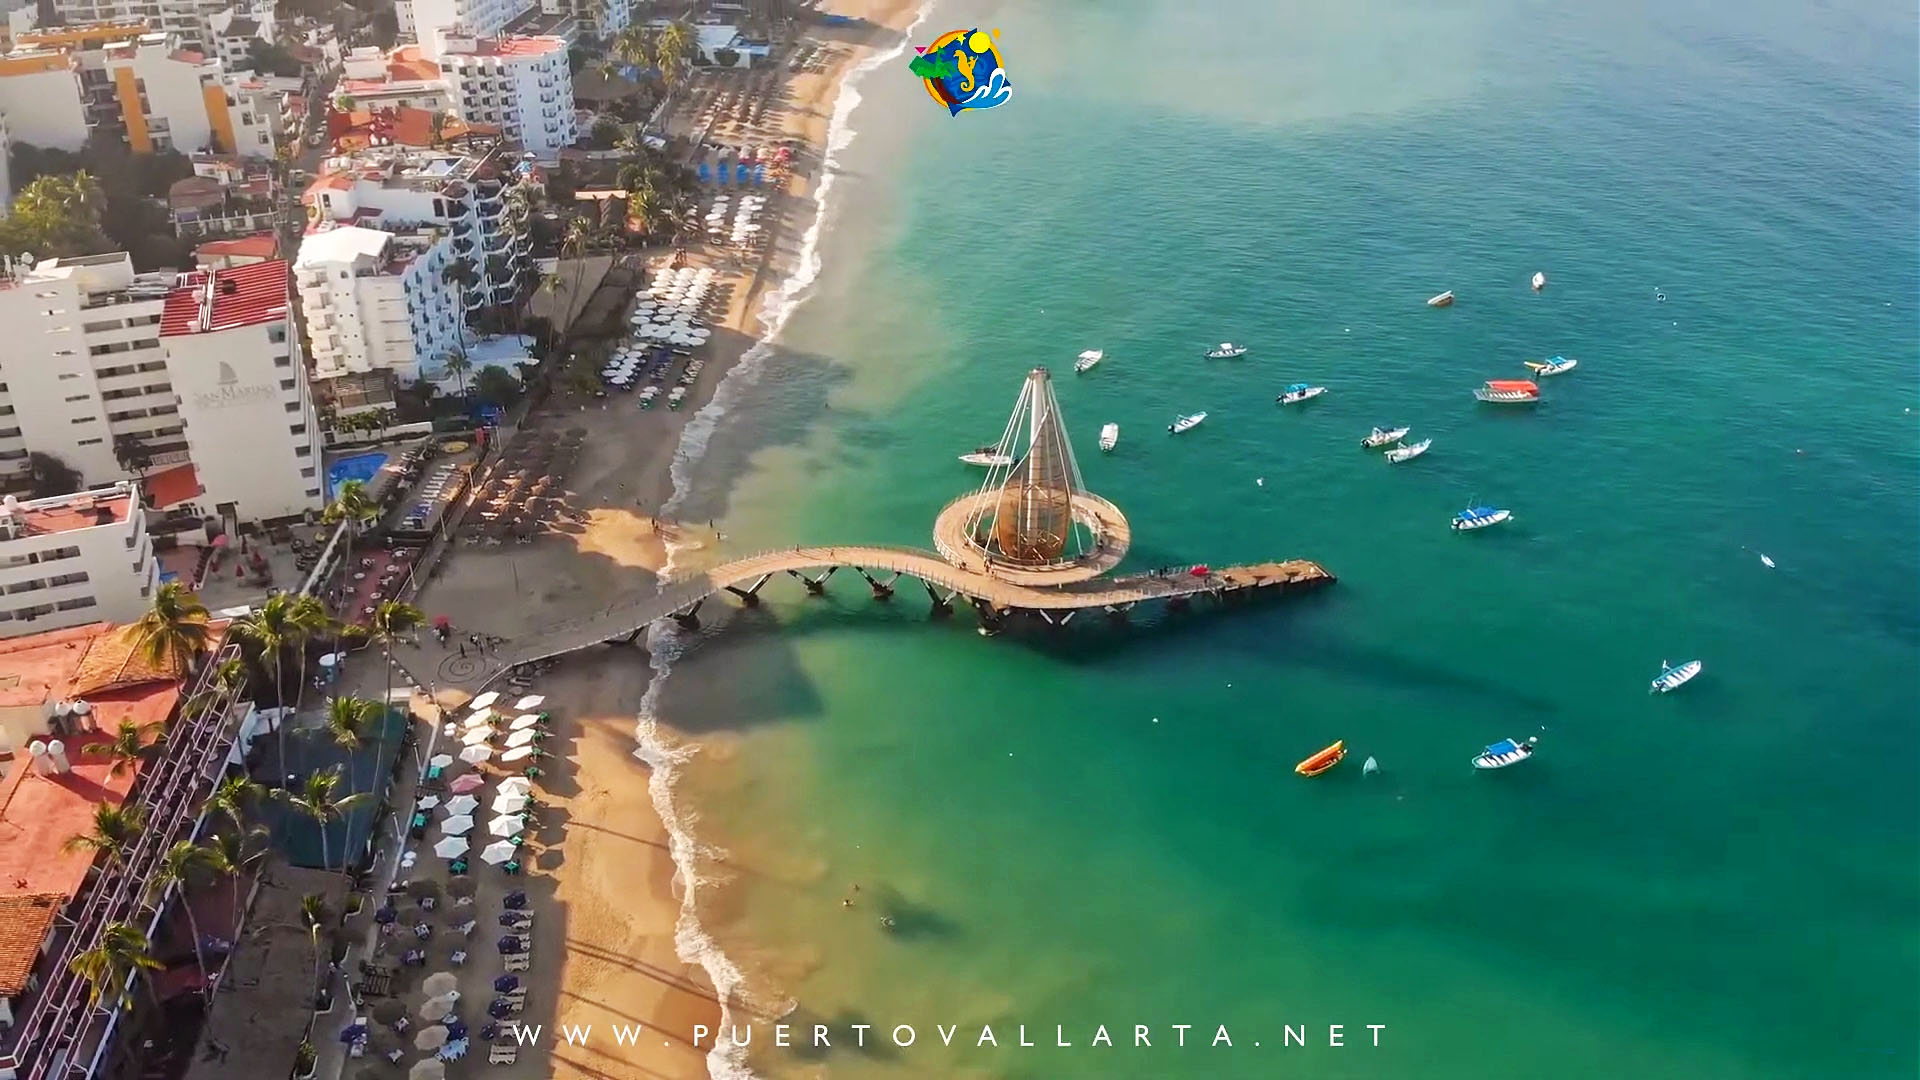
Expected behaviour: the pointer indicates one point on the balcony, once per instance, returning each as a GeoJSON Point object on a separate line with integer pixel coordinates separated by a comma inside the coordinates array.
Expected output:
{"type": "Point", "coordinates": [461, 226]}
{"type": "Point", "coordinates": [476, 299]}
{"type": "Point", "coordinates": [490, 208]}
{"type": "Point", "coordinates": [496, 244]}
{"type": "Point", "coordinates": [463, 245]}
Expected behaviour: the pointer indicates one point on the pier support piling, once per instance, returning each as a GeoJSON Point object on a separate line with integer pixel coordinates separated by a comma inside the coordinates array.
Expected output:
{"type": "Point", "coordinates": [882, 590]}
{"type": "Point", "coordinates": [690, 618]}
{"type": "Point", "coordinates": [750, 594]}
{"type": "Point", "coordinates": [942, 605]}
{"type": "Point", "coordinates": [815, 585]}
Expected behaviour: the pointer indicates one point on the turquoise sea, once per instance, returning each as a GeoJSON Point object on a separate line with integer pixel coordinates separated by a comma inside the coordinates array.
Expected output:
{"type": "Point", "coordinates": [1102, 826]}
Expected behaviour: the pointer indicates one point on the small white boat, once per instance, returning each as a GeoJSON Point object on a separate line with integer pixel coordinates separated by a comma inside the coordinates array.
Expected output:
{"type": "Point", "coordinates": [1227, 351]}
{"type": "Point", "coordinates": [1539, 280]}
{"type": "Point", "coordinates": [1380, 437]}
{"type": "Point", "coordinates": [1673, 678]}
{"type": "Point", "coordinates": [1088, 359]}
{"type": "Point", "coordinates": [1442, 300]}
{"type": "Point", "coordinates": [1479, 517]}
{"type": "Point", "coordinates": [1504, 753]}
{"type": "Point", "coordinates": [1109, 437]}
{"type": "Point", "coordinates": [1186, 423]}
{"type": "Point", "coordinates": [1557, 365]}
{"type": "Point", "coordinates": [987, 457]}
{"type": "Point", "coordinates": [1406, 453]}
{"type": "Point", "coordinates": [1299, 392]}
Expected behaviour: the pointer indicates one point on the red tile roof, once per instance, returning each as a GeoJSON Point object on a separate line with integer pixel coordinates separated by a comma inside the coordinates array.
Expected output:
{"type": "Point", "coordinates": [25, 921]}
{"type": "Point", "coordinates": [173, 486]}
{"type": "Point", "coordinates": [515, 46]}
{"type": "Point", "coordinates": [260, 247]}
{"type": "Point", "coordinates": [407, 63]}
{"type": "Point", "coordinates": [79, 511]}
{"type": "Point", "coordinates": [243, 296]}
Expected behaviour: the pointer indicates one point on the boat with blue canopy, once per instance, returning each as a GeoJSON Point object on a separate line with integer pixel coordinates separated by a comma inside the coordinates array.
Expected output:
{"type": "Point", "coordinates": [1299, 392]}
{"type": "Point", "coordinates": [1479, 517]}
{"type": "Point", "coordinates": [1504, 753]}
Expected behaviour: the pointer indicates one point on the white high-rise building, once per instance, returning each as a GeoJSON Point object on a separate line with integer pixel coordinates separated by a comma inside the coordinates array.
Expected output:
{"type": "Point", "coordinates": [521, 84]}
{"type": "Point", "coordinates": [378, 299]}
{"type": "Point", "coordinates": [174, 98]}
{"type": "Point", "coordinates": [197, 373]}
{"type": "Point", "coordinates": [433, 19]}
{"type": "Point", "coordinates": [74, 559]}
{"type": "Point", "coordinates": [594, 18]}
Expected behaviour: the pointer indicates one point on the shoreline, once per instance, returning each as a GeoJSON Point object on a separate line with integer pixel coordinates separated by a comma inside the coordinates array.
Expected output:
{"type": "Point", "coordinates": [621, 940]}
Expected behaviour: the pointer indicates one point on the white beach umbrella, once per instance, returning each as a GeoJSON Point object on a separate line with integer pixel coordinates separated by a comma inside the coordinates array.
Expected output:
{"type": "Point", "coordinates": [440, 761]}
{"type": "Point", "coordinates": [478, 720]}
{"type": "Point", "coordinates": [498, 852]}
{"type": "Point", "coordinates": [430, 1069]}
{"type": "Point", "coordinates": [457, 825]}
{"type": "Point", "coordinates": [451, 847]}
{"type": "Point", "coordinates": [476, 736]}
{"type": "Point", "coordinates": [522, 737]}
{"type": "Point", "coordinates": [427, 802]}
{"type": "Point", "coordinates": [510, 804]}
{"type": "Point", "coordinates": [484, 700]}
{"type": "Point", "coordinates": [515, 785]}
{"type": "Point", "coordinates": [434, 1008]}
{"type": "Point", "coordinates": [518, 753]}
{"type": "Point", "coordinates": [476, 754]}
{"type": "Point", "coordinates": [461, 804]}
{"type": "Point", "coordinates": [508, 825]}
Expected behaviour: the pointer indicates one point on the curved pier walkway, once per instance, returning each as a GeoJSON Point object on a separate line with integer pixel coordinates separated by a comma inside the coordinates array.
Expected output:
{"type": "Point", "coordinates": [881, 567]}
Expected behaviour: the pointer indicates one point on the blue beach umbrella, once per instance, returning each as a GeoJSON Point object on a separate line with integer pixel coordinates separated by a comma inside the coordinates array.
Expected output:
{"type": "Point", "coordinates": [705, 173]}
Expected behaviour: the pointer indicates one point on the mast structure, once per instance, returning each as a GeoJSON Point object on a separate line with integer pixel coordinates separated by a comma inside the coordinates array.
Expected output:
{"type": "Point", "coordinates": [1025, 511]}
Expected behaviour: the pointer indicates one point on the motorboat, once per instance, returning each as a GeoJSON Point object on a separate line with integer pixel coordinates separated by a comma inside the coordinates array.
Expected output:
{"type": "Point", "coordinates": [1443, 300]}
{"type": "Point", "coordinates": [1299, 392]}
{"type": "Point", "coordinates": [1674, 677]}
{"type": "Point", "coordinates": [1186, 423]}
{"type": "Point", "coordinates": [1322, 761]}
{"type": "Point", "coordinates": [1539, 280]}
{"type": "Point", "coordinates": [1088, 359]}
{"type": "Point", "coordinates": [1109, 437]}
{"type": "Point", "coordinates": [1406, 453]}
{"type": "Point", "coordinates": [1479, 517]}
{"type": "Point", "coordinates": [1227, 351]}
{"type": "Point", "coordinates": [1380, 437]}
{"type": "Point", "coordinates": [987, 457]}
{"type": "Point", "coordinates": [1508, 392]}
{"type": "Point", "coordinates": [1557, 365]}
{"type": "Point", "coordinates": [1504, 753]}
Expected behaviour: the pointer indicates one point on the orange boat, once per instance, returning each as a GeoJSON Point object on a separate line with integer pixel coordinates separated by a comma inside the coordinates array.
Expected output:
{"type": "Point", "coordinates": [1322, 761]}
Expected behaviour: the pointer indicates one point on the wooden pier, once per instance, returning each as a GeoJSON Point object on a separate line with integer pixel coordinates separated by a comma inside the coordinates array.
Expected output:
{"type": "Point", "coordinates": [994, 599]}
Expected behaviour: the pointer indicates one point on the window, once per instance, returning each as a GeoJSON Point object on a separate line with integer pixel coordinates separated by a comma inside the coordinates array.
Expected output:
{"type": "Point", "coordinates": [307, 472]}
{"type": "Point", "coordinates": [79, 397]}
{"type": "Point", "coordinates": [283, 361]}
{"type": "Point", "coordinates": [84, 419]}
{"type": "Point", "coordinates": [89, 442]}
{"type": "Point", "coordinates": [293, 406]}
{"type": "Point", "coordinates": [58, 580]}
{"type": "Point", "coordinates": [65, 375]}
{"type": "Point", "coordinates": [75, 604]}
{"type": "Point", "coordinates": [297, 429]}
{"type": "Point", "coordinates": [32, 585]}
{"type": "Point", "coordinates": [302, 451]}
{"type": "Point", "coordinates": [9, 433]}
{"type": "Point", "coordinates": [287, 384]}
{"type": "Point", "coordinates": [277, 333]}
{"type": "Point", "coordinates": [34, 612]}
{"type": "Point", "coordinates": [103, 324]}
{"type": "Point", "coordinates": [313, 493]}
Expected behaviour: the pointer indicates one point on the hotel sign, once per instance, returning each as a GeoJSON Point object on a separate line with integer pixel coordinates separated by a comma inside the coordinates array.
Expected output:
{"type": "Point", "coordinates": [230, 393]}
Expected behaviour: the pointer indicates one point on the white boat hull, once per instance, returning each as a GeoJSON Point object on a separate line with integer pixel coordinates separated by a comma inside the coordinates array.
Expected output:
{"type": "Point", "coordinates": [1088, 360]}
{"type": "Point", "coordinates": [1109, 438]}
{"type": "Point", "coordinates": [1470, 524]}
{"type": "Point", "coordinates": [986, 461]}
{"type": "Point", "coordinates": [1408, 453]}
{"type": "Point", "coordinates": [1381, 438]}
{"type": "Point", "coordinates": [1305, 395]}
{"type": "Point", "coordinates": [1442, 300]}
{"type": "Point", "coordinates": [1186, 423]}
{"type": "Point", "coordinates": [1674, 678]}
{"type": "Point", "coordinates": [1490, 761]}
{"type": "Point", "coordinates": [1499, 397]}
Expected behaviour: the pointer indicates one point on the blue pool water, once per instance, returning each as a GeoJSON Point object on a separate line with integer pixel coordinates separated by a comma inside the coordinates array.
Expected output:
{"type": "Point", "coordinates": [358, 467]}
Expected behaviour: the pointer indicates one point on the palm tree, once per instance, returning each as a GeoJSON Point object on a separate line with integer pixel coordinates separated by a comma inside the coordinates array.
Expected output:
{"type": "Point", "coordinates": [230, 854]}
{"type": "Point", "coordinates": [311, 616]}
{"type": "Point", "coordinates": [120, 952]}
{"type": "Point", "coordinates": [391, 619]}
{"type": "Point", "coordinates": [350, 720]}
{"type": "Point", "coordinates": [174, 630]}
{"type": "Point", "coordinates": [313, 915]}
{"type": "Point", "coordinates": [634, 45]}
{"type": "Point", "coordinates": [459, 364]}
{"type": "Point", "coordinates": [316, 801]}
{"type": "Point", "coordinates": [573, 245]}
{"type": "Point", "coordinates": [227, 675]}
{"type": "Point", "coordinates": [643, 206]}
{"type": "Point", "coordinates": [115, 831]}
{"type": "Point", "coordinates": [671, 51]}
{"type": "Point", "coordinates": [129, 746]}
{"type": "Point", "coordinates": [233, 796]}
{"type": "Point", "coordinates": [271, 628]}
{"type": "Point", "coordinates": [351, 504]}
{"type": "Point", "coordinates": [178, 867]}
{"type": "Point", "coordinates": [463, 275]}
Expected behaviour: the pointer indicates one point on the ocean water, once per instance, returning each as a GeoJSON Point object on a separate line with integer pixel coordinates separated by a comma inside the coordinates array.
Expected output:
{"type": "Point", "coordinates": [1102, 826]}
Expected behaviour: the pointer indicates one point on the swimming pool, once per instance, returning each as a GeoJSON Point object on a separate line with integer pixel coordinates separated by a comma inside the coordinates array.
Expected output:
{"type": "Point", "coordinates": [359, 467]}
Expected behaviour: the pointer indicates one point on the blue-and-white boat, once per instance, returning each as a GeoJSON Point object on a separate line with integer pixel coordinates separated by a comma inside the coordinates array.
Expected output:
{"type": "Point", "coordinates": [1558, 365]}
{"type": "Point", "coordinates": [1299, 392]}
{"type": "Point", "coordinates": [1479, 517]}
{"type": "Point", "coordinates": [1383, 436]}
{"type": "Point", "coordinates": [1227, 351]}
{"type": "Point", "coordinates": [1504, 753]}
{"type": "Point", "coordinates": [1673, 677]}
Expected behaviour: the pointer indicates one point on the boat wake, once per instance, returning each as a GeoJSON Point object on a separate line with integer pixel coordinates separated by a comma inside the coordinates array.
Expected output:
{"type": "Point", "coordinates": [692, 942]}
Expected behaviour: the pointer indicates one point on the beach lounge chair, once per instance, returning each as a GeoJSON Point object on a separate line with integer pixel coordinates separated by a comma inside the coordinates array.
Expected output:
{"type": "Point", "coordinates": [519, 962]}
{"type": "Point", "coordinates": [502, 1054]}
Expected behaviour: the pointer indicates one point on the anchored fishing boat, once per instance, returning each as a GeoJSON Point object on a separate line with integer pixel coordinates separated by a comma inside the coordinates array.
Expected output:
{"type": "Point", "coordinates": [1109, 437]}
{"type": "Point", "coordinates": [987, 457]}
{"type": "Point", "coordinates": [1381, 436]}
{"type": "Point", "coordinates": [1227, 351]}
{"type": "Point", "coordinates": [1508, 392]}
{"type": "Point", "coordinates": [1479, 517]}
{"type": "Point", "coordinates": [1088, 359]}
{"type": "Point", "coordinates": [1504, 753]}
{"type": "Point", "coordinates": [1673, 678]}
{"type": "Point", "coordinates": [1556, 366]}
{"type": "Point", "coordinates": [1186, 423]}
{"type": "Point", "coordinates": [1443, 300]}
{"type": "Point", "coordinates": [1407, 453]}
{"type": "Point", "coordinates": [1299, 392]}
{"type": "Point", "coordinates": [1322, 761]}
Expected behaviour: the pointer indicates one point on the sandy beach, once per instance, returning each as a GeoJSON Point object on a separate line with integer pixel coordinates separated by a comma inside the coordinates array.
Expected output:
{"type": "Point", "coordinates": [606, 885]}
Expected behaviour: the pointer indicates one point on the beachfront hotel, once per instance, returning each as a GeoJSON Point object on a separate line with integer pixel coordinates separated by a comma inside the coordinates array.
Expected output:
{"type": "Point", "coordinates": [462, 194]}
{"type": "Point", "coordinates": [521, 84]}
{"type": "Point", "coordinates": [376, 299]}
{"type": "Point", "coordinates": [435, 20]}
{"type": "Point", "coordinates": [62, 694]}
{"type": "Point", "coordinates": [74, 559]}
{"type": "Point", "coordinates": [190, 383]}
